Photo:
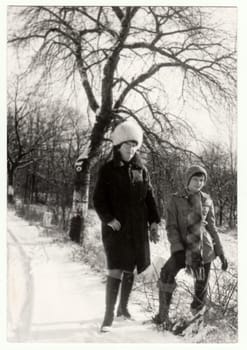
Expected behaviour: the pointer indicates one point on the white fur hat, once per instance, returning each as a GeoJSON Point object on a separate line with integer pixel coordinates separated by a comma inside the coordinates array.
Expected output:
{"type": "Point", "coordinates": [128, 130]}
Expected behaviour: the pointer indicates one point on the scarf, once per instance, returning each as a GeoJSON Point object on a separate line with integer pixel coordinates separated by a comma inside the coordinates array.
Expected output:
{"type": "Point", "coordinates": [194, 237]}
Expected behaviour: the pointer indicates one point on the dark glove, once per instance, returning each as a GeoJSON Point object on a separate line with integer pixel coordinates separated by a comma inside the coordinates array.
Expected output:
{"type": "Point", "coordinates": [196, 265]}
{"type": "Point", "coordinates": [198, 272]}
{"type": "Point", "coordinates": [224, 263]}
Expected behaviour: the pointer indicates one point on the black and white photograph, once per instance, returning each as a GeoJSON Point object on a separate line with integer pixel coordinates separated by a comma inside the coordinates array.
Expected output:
{"type": "Point", "coordinates": [121, 138]}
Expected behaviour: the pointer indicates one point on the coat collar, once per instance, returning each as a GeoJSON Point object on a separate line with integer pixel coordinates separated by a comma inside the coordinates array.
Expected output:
{"type": "Point", "coordinates": [184, 193]}
{"type": "Point", "coordinates": [135, 162]}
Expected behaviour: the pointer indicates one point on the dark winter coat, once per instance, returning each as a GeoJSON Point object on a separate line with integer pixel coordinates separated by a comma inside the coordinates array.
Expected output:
{"type": "Point", "coordinates": [123, 191]}
{"type": "Point", "coordinates": [177, 223]}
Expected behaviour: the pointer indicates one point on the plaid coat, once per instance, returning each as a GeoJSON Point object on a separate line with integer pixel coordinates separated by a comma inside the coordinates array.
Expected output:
{"type": "Point", "coordinates": [177, 223]}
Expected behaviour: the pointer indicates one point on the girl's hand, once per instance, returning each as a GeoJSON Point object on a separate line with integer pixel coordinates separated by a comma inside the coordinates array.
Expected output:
{"type": "Point", "coordinates": [154, 234]}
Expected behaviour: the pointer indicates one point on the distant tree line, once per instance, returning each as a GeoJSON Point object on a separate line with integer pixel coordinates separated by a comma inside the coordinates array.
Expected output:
{"type": "Point", "coordinates": [44, 142]}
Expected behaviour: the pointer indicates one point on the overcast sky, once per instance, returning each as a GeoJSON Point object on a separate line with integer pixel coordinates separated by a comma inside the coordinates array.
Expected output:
{"type": "Point", "coordinates": [205, 126]}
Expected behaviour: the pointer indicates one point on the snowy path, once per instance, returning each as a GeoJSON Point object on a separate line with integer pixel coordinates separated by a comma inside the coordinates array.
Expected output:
{"type": "Point", "coordinates": [52, 299]}
{"type": "Point", "coordinates": [20, 289]}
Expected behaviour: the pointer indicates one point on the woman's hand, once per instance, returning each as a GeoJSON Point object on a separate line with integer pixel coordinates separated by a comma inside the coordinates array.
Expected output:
{"type": "Point", "coordinates": [115, 225]}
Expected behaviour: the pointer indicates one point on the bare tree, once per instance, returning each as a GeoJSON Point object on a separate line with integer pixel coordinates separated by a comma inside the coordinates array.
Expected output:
{"type": "Point", "coordinates": [30, 125]}
{"type": "Point", "coordinates": [124, 56]}
{"type": "Point", "coordinates": [222, 182]}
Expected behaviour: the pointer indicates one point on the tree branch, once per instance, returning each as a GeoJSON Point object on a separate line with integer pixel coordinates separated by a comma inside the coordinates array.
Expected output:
{"type": "Point", "coordinates": [118, 12]}
{"type": "Point", "coordinates": [154, 69]}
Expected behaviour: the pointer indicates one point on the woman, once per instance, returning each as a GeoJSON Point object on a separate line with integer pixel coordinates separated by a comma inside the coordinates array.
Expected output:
{"type": "Point", "coordinates": [124, 201]}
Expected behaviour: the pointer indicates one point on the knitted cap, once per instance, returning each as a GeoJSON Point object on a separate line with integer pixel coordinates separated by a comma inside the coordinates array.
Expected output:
{"type": "Point", "coordinates": [128, 130]}
{"type": "Point", "coordinates": [195, 169]}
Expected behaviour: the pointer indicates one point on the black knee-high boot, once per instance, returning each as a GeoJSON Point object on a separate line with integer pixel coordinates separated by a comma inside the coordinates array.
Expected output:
{"type": "Point", "coordinates": [165, 296]}
{"type": "Point", "coordinates": [112, 287]}
{"type": "Point", "coordinates": [126, 287]}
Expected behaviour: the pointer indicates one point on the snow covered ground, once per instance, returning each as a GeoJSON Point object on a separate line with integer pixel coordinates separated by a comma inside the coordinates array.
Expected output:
{"type": "Point", "coordinates": [53, 299]}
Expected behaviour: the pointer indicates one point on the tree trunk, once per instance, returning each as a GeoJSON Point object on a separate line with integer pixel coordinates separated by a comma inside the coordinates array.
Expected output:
{"type": "Point", "coordinates": [80, 203]}
{"type": "Point", "coordinates": [232, 221]}
{"type": "Point", "coordinates": [82, 178]}
{"type": "Point", "coordinates": [11, 185]}
{"type": "Point", "coordinates": [221, 216]}
{"type": "Point", "coordinates": [26, 191]}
